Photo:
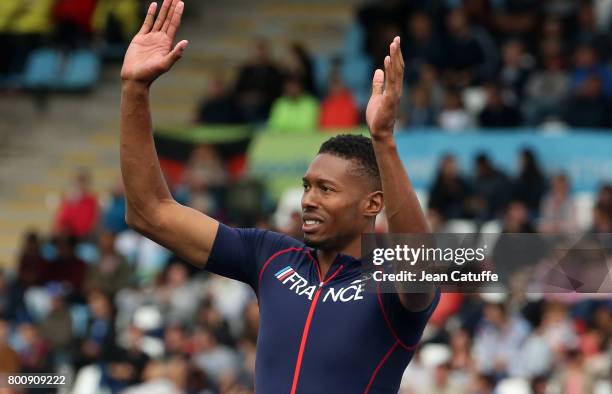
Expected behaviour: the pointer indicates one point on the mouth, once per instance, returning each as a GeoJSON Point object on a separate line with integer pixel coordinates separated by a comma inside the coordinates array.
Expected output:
{"type": "Point", "coordinates": [311, 225]}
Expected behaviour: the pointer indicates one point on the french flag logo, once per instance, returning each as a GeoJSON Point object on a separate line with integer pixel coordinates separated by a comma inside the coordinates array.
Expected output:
{"type": "Point", "coordinates": [284, 273]}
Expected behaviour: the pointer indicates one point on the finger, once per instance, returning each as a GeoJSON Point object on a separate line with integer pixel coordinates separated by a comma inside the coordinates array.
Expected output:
{"type": "Point", "coordinates": [397, 71]}
{"type": "Point", "coordinates": [148, 22]}
{"type": "Point", "coordinates": [171, 13]}
{"type": "Point", "coordinates": [399, 50]}
{"type": "Point", "coordinates": [163, 13]}
{"type": "Point", "coordinates": [175, 21]}
{"type": "Point", "coordinates": [388, 71]}
{"type": "Point", "coordinates": [176, 53]}
{"type": "Point", "coordinates": [378, 82]}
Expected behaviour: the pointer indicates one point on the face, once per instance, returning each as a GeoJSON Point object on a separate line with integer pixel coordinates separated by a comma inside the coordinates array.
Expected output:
{"type": "Point", "coordinates": [338, 205]}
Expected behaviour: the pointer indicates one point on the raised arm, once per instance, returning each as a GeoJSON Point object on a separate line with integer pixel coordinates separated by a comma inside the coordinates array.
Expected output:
{"type": "Point", "coordinates": [151, 210]}
{"type": "Point", "coordinates": [402, 207]}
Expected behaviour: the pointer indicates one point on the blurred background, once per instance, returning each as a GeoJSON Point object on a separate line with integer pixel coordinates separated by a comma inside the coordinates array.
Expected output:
{"type": "Point", "coordinates": [505, 126]}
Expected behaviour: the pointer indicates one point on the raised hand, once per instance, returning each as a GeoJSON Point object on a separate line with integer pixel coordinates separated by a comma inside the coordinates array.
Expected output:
{"type": "Point", "coordinates": [384, 102]}
{"type": "Point", "coordinates": [150, 53]}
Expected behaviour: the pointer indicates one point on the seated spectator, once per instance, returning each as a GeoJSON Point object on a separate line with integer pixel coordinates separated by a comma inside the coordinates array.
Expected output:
{"type": "Point", "coordinates": [214, 359]}
{"type": "Point", "coordinates": [78, 211]}
{"type": "Point", "coordinates": [498, 342]}
{"type": "Point", "coordinates": [530, 185]}
{"type": "Point", "coordinates": [73, 19]}
{"type": "Point", "coordinates": [258, 84]}
{"type": "Point", "coordinates": [338, 109]}
{"type": "Point", "coordinates": [449, 191]}
{"type": "Point", "coordinates": [99, 339]}
{"type": "Point", "coordinates": [464, 54]}
{"type": "Point", "coordinates": [9, 359]}
{"type": "Point", "coordinates": [602, 219]}
{"type": "Point", "coordinates": [421, 47]}
{"type": "Point", "coordinates": [588, 31]}
{"type": "Point", "coordinates": [516, 18]}
{"type": "Point", "coordinates": [295, 111]}
{"type": "Point", "coordinates": [67, 269]}
{"type": "Point", "coordinates": [546, 89]}
{"type": "Point", "coordinates": [558, 212]}
{"type": "Point", "coordinates": [516, 219]}
{"type": "Point", "coordinates": [111, 273]}
{"type": "Point", "coordinates": [418, 112]}
{"type": "Point", "coordinates": [116, 20]}
{"type": "Point", "coordinates": [454, 117]}
{"type": "Point", "coordinates": [587, 64]}
{"type": "Point", "coordinates": [219, 107]}
{"type": "Point", "coordinates": [515, 71]}
{"type": "Point", "coordinates": [587, 107]}
{"type": "Point", "coordinates": [32, 349]}
{"type": "Point", "coordinates": [429, 80]}
{"type": "Point", "coordinates": [114, 215]}
{"type": "Point", "coordinates": [298, 63]}
{"type": "Point", "coordinates": [56, 327]}
{"type": "Point", "coordinates": [491, 189]}
{"type": "Point", "coordinates": [497, 113]}
{"type": "Point", "coordinates": [24, 24]}
{"type": "Point", "coordinates": [32, 267]}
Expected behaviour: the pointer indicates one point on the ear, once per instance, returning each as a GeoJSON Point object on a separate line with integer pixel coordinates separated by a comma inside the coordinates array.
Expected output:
{"type": "Point", "coordinates": [374, 203]}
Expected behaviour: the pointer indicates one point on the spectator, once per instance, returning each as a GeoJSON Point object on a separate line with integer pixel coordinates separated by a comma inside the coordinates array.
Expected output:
{"type": "Point", "coordinates": [219, 107]}
{"type": "Point", "coordinates": [32, 267]}
{"type": "Point", "coordinates": [602, 219]}
{"type": "Point", "coordinates": [588, 65]}
{"type": "Point", "coordinates": [125, 364]}
{"type": "Point", "coordinates": [295, 111]}
{"type": "Point", "coordinates": [422, 46]}
{"type": "Point", "coordinates": [558, 212]}
{"type": "Point", "coordinates": [497, 113]}
{"type": "Point", "coordinates": [32, 349]}
{"type": "Point", "coordinates": [464, 54]}
{"type": "Point", "coordinates": [419, 112]}
{"type": "Point", "coordinates": [214, 359]}
{"type": "Point", "coordinates": [116, 21]}
{"type": "Point", "coordinates": [588, 31]}
{"type": "Point", "coordinates": [498, 342]}
{"type": "Point", "coordinates": [73, 19]}
{"type": "Point", "coordinates": [338, 109]}
{"type": "Point", "coordinates": [99, 339]}
{"type": "Point", "coordinates": [210, 318]}
{"type": "Point", "coordinates": [530, 184]}
{"type": "Point", "coordinates": [111, 272]}
{"type": "Point", "coordinates": [491, 189]}
{"type": "Point", "coordinates": [516, 219]}
{"type": "Point", "coordinates": [259, 83]}
{"type": "Point", "coordinates": [26, 23]}
{"type": "Point", "coordinates": [9, 359]}
{"type": "Point", "coordinates": [56, 327]}
{"type": "Point", "coordinates": [516, 68]}
{"type": "Point", "coordinates": [588, 108]}
{"type": "Point", "coordinates": [298, 63]}
{"type": "Point", "coordinates": [67, 269]}
{"type": "Point", "coordinates": [78, 211]}
{"type": "Point", "coordinates": [170, 296]}
{"type": "Point", "coordinates": [516, 18]}
{"type": "Point", "coordinates": [449, 191]}
{"type": "Point", "coordinates": [546, 89]}
{"type": "Point", "coordinates": [113, 219]}
{"type": "Point", "coordinates": [454, 117]}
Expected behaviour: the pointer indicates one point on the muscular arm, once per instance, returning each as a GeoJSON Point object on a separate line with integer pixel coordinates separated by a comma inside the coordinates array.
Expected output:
{"type": "Point", "coordinates": [402, 207]}
{"type": "Point", "coordinates": [151, 210]}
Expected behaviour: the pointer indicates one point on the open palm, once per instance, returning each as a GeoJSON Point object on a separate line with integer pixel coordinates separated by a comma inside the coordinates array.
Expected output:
{"type": "Point", "coordinates": [150, 53]}
{"type": "Point", "coordinates": [384, 102]}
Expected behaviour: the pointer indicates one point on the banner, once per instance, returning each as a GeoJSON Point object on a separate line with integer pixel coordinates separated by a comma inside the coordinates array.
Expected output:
{"type": "Point", "coordinates": [586, 157]}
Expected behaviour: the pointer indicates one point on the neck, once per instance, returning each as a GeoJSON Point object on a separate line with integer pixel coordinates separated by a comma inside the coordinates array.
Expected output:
{"type": "Point", "coordinates": [327, 257]}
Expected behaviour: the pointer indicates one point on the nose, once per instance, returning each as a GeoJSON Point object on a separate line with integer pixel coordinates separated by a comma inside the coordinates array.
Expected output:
{"type": "Point", "coordinates": [309, 200]}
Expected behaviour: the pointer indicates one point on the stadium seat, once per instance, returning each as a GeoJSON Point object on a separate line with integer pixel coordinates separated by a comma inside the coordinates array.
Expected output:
{"type": "Point", "coordinates": [42, 69]}
{"type": "Point", "coordinates": [81, 72]}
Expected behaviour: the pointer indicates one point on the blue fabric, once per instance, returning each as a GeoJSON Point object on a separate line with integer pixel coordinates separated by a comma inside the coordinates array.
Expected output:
{"type": "Point", "coordinates": [349, 342]}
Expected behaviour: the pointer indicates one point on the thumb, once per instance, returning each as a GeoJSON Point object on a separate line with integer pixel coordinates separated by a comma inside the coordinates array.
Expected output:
{"type": "Point", "coordinates": [176, 53]}
{"type": "Point", "coordinates": [378, 82]}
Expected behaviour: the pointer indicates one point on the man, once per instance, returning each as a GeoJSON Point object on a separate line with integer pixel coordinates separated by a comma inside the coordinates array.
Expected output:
{"type": "Point", "coordinates": [320, 332]}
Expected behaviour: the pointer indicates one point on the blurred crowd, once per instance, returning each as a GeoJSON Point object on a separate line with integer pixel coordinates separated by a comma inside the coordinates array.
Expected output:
{"type": "Point", "coordinates": [469, 64]}
{"type": "Point", "coordinates": [117, 311]}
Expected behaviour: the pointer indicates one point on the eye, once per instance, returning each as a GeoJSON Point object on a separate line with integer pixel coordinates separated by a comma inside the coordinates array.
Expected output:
{"type": "Point", "coordinates": [305, 186]}
{"type": "Point", "coordinates": [326, 189]}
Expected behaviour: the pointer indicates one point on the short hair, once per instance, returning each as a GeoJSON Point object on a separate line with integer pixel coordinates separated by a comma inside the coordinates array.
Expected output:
{"type": "Point", "coordinates": [358, 149]}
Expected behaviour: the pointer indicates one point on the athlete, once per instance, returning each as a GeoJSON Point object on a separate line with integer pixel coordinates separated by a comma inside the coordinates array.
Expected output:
{"type": "Point", "coordinates": [320, 331]}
